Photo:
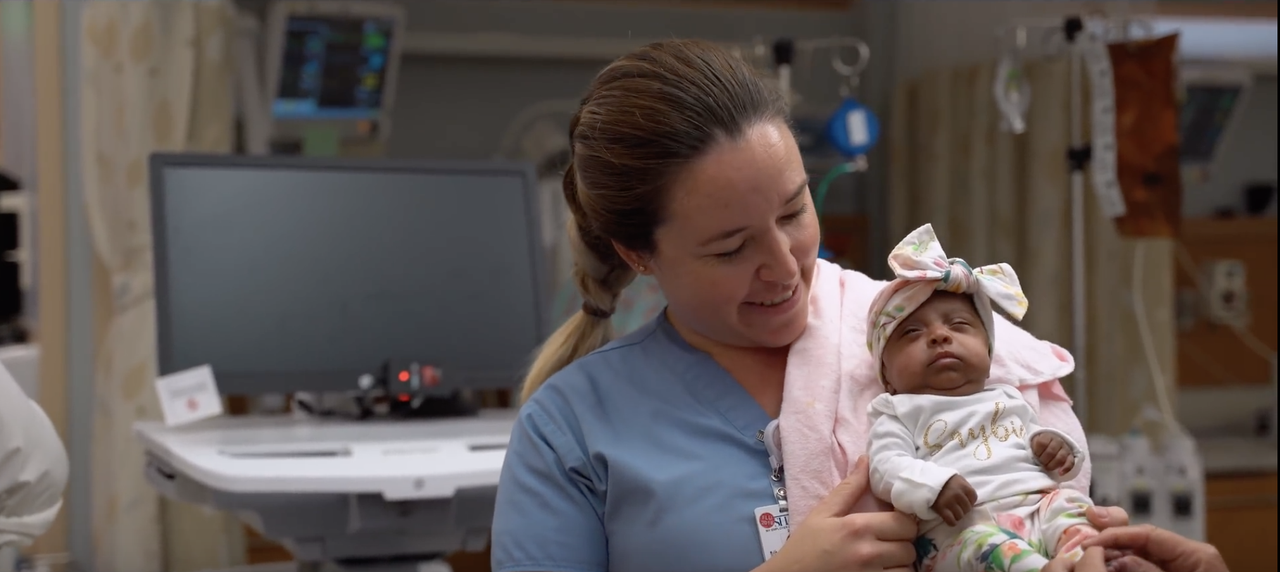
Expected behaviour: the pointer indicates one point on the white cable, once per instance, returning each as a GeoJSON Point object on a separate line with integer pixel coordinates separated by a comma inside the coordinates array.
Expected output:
{"type": "Point", "coordinates": [1149, 346]}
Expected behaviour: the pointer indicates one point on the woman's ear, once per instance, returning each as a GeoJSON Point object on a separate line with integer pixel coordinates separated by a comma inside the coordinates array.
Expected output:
{"type": "Point", "coordinates": [638, 262]}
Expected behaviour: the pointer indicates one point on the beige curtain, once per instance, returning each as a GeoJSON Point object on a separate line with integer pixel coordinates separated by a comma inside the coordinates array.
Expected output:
{"type": "Point", "coordinates": [997, 197]}
{"type": "Point", "coordinates": [155, 76]}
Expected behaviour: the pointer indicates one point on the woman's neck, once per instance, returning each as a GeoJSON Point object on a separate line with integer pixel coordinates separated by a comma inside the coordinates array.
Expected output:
{"type": "Point", "coordinates": [760, 371]}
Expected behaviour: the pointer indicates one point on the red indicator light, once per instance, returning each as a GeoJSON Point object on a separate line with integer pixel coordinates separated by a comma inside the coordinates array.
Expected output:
{"type": "Point", "coordinates": [404, 376]}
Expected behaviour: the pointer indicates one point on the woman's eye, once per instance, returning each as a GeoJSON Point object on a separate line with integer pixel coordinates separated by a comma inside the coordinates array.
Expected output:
{"type": "Point", "coordinates": [795, 215]}
{"type": "Point", "coordinates": [730, 254]}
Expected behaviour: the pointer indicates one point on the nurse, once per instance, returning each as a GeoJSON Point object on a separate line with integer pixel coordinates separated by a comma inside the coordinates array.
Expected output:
{"type": "Point", "coordinates": [641, 454]}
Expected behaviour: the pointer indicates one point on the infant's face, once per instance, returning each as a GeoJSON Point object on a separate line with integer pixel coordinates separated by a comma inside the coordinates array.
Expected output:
{"type": "Point", "coordinates": [940, 349]}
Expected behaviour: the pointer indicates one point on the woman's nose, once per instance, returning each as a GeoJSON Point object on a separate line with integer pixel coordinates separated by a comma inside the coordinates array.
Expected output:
{"type": "Point", "coordinates": [780, 265]}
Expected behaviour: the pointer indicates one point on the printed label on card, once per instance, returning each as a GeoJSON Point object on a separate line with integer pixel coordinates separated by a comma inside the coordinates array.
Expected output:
{"type": "Point", "coordinates": [774, 527]}
{"type": "Point", "coordinates": [188, 396]}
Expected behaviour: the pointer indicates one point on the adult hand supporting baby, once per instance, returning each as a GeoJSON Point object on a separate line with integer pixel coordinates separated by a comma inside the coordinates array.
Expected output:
{"type": "Point", "coordinates": [1103, 517]}
{"type": "Point", "coordinates": [1146, 548]}
{"type": "Point", "coordinates": [832, 539]}
{"type": "Point", "coordinates": [1094, 560]}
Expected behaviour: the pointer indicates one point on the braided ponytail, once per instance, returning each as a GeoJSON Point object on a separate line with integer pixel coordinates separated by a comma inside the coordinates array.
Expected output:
{"type": "Point", "coordinates": [600, 275]}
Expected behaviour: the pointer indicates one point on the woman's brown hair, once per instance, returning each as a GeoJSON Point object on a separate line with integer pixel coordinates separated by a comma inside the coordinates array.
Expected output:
{"type": "Point", "coordinates": [645, 117]}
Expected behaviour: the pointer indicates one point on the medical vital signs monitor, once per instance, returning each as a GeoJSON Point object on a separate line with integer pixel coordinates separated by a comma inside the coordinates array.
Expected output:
{"type": "Point", "coordinates": [333, 65]}
{"type": "Point", "coordinates": [290, 274]}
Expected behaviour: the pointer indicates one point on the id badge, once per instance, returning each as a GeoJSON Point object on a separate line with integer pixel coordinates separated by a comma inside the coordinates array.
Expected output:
{"type": "Point", "coordinates": [774, 527]}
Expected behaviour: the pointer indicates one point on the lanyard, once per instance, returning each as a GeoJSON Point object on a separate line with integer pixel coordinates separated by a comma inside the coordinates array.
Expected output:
{"type": "Point", "coordinates": [777, 479]}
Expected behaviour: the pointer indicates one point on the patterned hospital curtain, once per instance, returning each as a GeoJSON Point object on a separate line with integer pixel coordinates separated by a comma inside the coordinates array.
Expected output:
{"type": "Point", "coordinates": [155, 76]}
{"type": "Point", "coordinates": [997, 197]}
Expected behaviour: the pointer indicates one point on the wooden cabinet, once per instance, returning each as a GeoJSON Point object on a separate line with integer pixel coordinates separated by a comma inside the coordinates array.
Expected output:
{"type": "Point", "coordinates": [1241, 521]}
{"type": "Point", "coordinates": [847, 237]}
{"type": "Point", "coordinates": [1210, 354]}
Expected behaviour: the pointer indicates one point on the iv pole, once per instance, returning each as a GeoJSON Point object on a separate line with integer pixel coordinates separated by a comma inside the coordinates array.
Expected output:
{"type": "Point", "coordinates": [1078, 155]}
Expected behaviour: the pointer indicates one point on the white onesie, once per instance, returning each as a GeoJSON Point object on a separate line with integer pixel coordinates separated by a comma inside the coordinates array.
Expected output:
{"type": "Point", "coordinates": [918, 442]}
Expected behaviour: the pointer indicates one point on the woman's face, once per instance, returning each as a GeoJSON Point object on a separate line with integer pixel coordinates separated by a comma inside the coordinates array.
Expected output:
{"type": "Point", "coordinates": [736, 252]}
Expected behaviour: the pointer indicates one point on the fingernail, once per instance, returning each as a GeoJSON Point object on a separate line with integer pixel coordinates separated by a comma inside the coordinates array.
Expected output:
{"type": "Point", "coordinates": [1100, 515]}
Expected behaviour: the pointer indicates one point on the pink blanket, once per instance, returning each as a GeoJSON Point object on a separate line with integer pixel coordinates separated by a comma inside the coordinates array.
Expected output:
{"type": "Point", "coordinates": [830, 380]}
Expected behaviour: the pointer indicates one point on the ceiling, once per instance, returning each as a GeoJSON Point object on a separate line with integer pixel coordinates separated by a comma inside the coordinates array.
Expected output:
{"type": "Point", "coordinates": [1230, 39]}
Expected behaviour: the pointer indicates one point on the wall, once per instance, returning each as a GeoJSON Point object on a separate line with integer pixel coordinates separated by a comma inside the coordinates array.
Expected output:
{"type": "Point", "coordinates": [52, 274]}
{"type": "Point", "coordinates": [434, 93]}
{"type": "Point", "coordinates": [946, 34]}
{"type": "Point", "coordinates": [459, 108]}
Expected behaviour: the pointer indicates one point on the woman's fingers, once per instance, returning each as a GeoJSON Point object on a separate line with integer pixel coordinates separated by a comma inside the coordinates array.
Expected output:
{"type": "Point", "coordinates": [886, 526]}
{"type": "Point", "coordinates": [1133, 564]}
{"type": "Point", "coordinates": [899, 554]}
{"type": "Point", "coordinates": [1106, 516]}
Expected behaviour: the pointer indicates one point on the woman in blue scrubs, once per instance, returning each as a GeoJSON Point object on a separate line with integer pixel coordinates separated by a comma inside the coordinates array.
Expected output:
{"type": "Point", "coordinates": [641, 454]}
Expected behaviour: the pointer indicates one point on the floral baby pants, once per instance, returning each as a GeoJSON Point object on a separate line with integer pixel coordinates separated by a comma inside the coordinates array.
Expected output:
{"type": "Point", "coordinates": [1016, 534]}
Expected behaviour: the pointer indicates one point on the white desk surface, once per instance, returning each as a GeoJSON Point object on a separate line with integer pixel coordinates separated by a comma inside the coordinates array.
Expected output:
{"type": "Point", "coordinates": [399, 459]}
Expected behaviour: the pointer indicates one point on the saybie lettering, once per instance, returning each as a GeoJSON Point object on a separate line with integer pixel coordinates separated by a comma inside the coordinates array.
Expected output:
{"type": "Point", "coordinates": [936, 435]}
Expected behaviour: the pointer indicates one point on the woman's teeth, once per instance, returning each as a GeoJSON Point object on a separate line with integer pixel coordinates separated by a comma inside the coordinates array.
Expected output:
{"type": "Point", "coordinates": [778, 300]}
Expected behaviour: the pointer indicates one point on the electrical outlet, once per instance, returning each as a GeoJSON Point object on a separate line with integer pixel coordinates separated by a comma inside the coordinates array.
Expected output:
{"type": "Point", "coordinates": [1227, 295]}
{"type": "Point", "coordinates": [1184, 484]}
{"type": "Point", "coordinates": [1162, 486]}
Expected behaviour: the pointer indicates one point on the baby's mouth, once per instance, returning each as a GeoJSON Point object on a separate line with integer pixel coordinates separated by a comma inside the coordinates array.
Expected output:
{"type": "Point", "coordinates": [944, 357]}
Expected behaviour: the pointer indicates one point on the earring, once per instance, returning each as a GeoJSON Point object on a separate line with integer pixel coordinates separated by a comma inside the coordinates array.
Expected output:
{"type": "Point", "coordinates": [640, 268]}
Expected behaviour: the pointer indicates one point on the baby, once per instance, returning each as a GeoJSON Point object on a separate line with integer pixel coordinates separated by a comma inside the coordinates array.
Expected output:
{"type": "Point", "coordinates": [965, 458]}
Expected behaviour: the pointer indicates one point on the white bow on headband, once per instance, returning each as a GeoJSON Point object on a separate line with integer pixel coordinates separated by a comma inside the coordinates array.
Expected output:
{"type": "Point", "coordinates": [922, 268]}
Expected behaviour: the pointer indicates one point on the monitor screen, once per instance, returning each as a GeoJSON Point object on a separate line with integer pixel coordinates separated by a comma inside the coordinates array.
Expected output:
{"type": "Point", "coordinates": [293, 274]}
{"type": "Point", "coordinates": [333, 67]}
{"type": "Point", "coordinates": [1206, 112]}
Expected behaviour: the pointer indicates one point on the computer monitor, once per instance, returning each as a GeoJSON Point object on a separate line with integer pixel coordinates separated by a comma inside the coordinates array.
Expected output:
{"type": "Point", "coordinates": [289, 274]}
{"type": "Point", "coordinates": [332, 65]}
{"type": "Point", "coordinates": [1211, 97]}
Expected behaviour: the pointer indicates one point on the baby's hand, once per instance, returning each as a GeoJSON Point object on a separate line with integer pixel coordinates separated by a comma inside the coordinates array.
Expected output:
{"type": "Point", "coordinates": [955, 500]}
{"type": "Point", "coordinates": [1054, 453]}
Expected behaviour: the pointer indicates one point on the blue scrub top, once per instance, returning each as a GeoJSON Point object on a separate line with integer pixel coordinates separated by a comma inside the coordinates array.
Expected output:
{"type": "Point", "coordinates": [641, 456]}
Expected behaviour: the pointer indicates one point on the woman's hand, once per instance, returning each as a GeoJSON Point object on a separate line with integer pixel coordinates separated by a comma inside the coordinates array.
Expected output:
{"type": "Point", "coordinates": [1149, 549]}
{"type": "Point", "coordinates": [1094, 560]}
{"type": "Point", "coordinates": [1104, 517]}
{"type": "Point", "coordinates": [832, 539]}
